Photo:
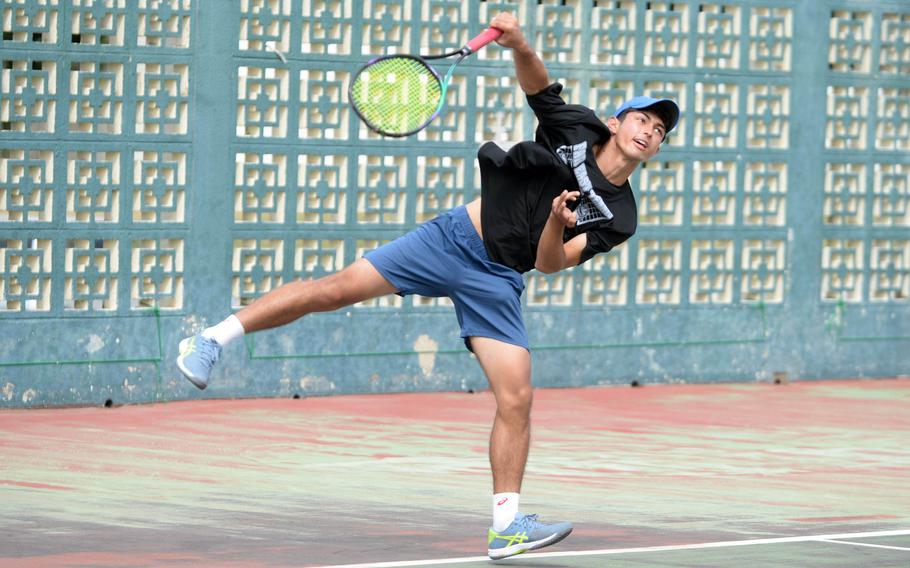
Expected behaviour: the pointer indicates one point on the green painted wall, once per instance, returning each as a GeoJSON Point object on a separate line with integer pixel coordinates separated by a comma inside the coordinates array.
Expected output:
{"type": "Point", "coordinates": [162, 163]}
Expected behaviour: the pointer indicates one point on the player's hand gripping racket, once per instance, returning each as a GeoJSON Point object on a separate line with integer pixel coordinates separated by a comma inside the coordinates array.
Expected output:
{"type": "Point", "coordinates": [398, 95]}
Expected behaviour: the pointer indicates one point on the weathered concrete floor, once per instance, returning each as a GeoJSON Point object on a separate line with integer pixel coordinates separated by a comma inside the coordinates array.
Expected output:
{"type": "Point", "coordinates": [399, 477]}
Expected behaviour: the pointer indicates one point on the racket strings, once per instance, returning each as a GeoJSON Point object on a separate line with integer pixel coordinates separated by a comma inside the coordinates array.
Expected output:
{"type": "Point", "coordinates": [396, 95]}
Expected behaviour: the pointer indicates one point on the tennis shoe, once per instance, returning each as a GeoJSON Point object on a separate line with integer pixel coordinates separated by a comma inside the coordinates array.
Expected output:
{"type": "Point", "coordinates": [198, 354]}
{"type": "Point", "coordinates": [524, 534]}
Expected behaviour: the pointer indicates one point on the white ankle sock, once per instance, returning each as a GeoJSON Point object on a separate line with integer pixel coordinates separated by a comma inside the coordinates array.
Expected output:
{"type": "Point", "coordinates": [505, 507]}
{"type": "Point", "coordinates": [225, 332]}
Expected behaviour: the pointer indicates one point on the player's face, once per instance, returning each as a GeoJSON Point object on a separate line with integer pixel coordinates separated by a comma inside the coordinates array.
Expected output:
{"type": "Point", "coordinates": [639, 134]}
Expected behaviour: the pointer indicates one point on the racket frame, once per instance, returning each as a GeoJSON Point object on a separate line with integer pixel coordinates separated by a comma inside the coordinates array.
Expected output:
{"type": "Point", "coordinates": [491, 34]}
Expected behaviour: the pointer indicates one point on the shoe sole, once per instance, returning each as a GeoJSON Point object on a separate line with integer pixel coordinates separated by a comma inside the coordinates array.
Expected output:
{"type": "Point", "coordinates": [516, 549]}
{"type": "Point", "coordinates": [198, 383]}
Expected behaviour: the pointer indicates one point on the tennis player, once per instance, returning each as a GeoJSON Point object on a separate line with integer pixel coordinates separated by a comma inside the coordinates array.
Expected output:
{"type": "Point", "coordinates": [538, 210]}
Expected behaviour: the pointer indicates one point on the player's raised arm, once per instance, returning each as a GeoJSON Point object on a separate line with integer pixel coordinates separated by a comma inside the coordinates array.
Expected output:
{"type": "Point", "coordinates": [530, 70]}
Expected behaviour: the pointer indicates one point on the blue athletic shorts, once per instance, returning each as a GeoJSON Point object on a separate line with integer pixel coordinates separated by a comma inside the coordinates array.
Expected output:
{"type": "Point", "coordinates": [446, 257]}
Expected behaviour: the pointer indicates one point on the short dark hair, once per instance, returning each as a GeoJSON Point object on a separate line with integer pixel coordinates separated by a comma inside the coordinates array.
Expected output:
{"type": "Point", "coordinates": [663, 115]}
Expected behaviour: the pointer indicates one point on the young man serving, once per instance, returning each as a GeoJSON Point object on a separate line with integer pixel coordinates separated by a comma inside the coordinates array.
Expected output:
{"type": "Point", "coordinates": [548, 205]}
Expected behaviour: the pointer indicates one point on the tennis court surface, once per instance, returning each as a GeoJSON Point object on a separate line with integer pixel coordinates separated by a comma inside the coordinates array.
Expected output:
{"type": "Point", "coordinates": [804, 474]}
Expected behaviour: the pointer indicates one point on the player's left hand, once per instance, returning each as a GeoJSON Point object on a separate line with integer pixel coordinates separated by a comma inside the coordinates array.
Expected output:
{"type": "Point", "coordinates": [561, 211]}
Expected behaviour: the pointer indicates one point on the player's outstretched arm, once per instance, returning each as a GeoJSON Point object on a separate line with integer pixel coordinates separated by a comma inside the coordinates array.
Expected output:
{"type": "Point", "coordinates": [529, 69]}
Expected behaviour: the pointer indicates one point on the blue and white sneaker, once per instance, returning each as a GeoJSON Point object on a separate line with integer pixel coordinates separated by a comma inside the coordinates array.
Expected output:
{"type": "Point", "coordinates": [524, 534]}
{"type": "Point", "coordinates": [198, 355]}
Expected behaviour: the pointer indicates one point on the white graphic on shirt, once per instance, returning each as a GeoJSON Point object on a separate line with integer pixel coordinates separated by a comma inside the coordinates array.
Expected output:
{"type": "Point", "coordinates": [591, 207]}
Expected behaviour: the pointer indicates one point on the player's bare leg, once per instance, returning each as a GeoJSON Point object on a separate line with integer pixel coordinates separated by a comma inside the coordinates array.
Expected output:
{"type": "Point", "coordinates": [358, 282]}
{"type": "Point", "coordinates": [508, 369]}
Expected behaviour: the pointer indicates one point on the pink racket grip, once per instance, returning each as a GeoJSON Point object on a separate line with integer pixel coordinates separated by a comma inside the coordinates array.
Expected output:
{"type": "Point", "coordinates": [485, 37]}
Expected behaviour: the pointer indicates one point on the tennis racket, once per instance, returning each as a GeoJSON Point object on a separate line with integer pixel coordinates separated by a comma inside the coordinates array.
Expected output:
{"type": "Point", "coordinates": [399, 95]}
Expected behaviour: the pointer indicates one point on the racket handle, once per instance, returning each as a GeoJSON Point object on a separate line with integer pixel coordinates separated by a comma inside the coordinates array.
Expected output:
{"type": "Point", "coordinates": [485, 37]}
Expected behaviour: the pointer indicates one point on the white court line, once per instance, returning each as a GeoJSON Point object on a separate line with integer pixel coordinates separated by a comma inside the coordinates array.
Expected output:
{"type": "Point", "coordinates": [721, 544]}
{"type": "Point", "coordinates": [869, 544]}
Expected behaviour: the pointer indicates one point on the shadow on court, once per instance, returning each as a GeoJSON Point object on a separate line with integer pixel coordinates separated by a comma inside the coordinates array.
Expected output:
{"type": "Point", "coordinates": [809, 474]}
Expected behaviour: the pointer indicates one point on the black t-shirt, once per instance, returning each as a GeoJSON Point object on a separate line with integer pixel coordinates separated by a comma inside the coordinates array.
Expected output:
{"type": "Point", "coordinates": [518, 186]}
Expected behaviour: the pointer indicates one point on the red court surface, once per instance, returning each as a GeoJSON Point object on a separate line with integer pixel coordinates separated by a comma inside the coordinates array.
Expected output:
{"type": "Point", "coordinates": [804, 474]}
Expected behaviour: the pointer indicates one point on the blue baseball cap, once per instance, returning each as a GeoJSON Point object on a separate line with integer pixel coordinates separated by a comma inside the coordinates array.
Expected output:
{"type": "Point", "coordinates": [643, 103]}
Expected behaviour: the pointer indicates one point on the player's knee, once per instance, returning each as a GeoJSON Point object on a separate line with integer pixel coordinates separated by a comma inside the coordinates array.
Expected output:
{"type": "Point", "coordinates": [343, 288]}
{"type": "Point", "coordinates": [322, 295]}
{"type": "Point", "coordinates": [516, 402]}
{"type": "Point", "coordinates": [334, 295]}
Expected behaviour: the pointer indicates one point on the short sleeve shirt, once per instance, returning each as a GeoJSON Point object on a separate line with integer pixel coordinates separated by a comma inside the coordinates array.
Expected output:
{"type": "Point", "coordinates": [518, 186]}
